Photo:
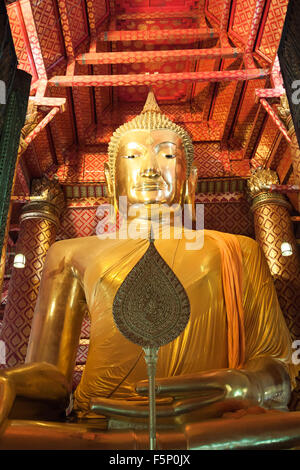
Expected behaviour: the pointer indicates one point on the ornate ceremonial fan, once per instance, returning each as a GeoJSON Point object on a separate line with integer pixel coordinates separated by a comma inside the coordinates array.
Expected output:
{"type": "Point", "coordinates": [151, 308]}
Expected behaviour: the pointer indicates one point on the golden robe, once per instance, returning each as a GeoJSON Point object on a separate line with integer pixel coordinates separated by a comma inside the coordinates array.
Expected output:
{"type": "Point", "coordinates": [235, 315]}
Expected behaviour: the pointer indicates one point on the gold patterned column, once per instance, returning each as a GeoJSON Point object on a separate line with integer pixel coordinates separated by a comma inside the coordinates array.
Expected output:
{"type": "Point", "coordinates": [273, 226]}
{"type": "Point", "coordinates": [38, 226]}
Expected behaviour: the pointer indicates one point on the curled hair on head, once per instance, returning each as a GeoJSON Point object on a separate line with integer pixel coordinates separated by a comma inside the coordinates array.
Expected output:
{"type": "Point", "coordinates": [150, 118]}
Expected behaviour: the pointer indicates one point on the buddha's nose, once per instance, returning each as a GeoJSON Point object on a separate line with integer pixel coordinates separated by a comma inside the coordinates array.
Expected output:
{"type": "Point", "coordinates": [150, 169]}
{"type": "Point", "coordinates": [150, 173]}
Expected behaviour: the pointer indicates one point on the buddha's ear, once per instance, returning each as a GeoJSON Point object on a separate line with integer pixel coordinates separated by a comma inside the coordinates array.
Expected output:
{"type": "Point", "coordinates": [190, 190]}
{"type": "Point", "coordinates": [192, 180]}
{"type": "Point", "coordinates": [108, 180]}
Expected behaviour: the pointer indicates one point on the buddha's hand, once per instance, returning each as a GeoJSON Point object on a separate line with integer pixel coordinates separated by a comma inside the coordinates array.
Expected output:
{"type": "Point", "coordinates": [262, 382]}
{"type": "Point", "coordinates": [7, 396]}
{"type": "Point", "coordinates": [38, 381]}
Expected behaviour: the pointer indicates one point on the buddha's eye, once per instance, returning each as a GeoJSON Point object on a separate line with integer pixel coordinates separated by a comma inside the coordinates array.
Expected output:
{"type": "Point", "coordinates": [166, 150]}
{"type": "Point", "coordinates": [130, 156]}
{"type": "Point", "coordinates": [169, 155]}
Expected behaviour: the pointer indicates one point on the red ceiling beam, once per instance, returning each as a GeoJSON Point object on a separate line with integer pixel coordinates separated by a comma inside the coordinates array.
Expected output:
{"type": "Point", "coordinates": [91, 16]}
{"type": "Point", "coordinates": [65, 23]}
{"type": "Point", "coordinates": [156, 78]}
{"type": "Point", "coordinates": [156, 15]}
{"type": "Point", "coordinates": [155, 56]}
{"type": "Point", "coordinates": [20, 174]}
{"type": "Point", "coordinates": [41, 125]}
{"type": "Point", "coordinates": [33, 39]}
{"type": "Point", "coordinates": [19, 14]}
{"type": "Point", "coordinates": [275, 119]}
{"type": "Point", "coordinates": [255, 25]}
{"type": "Point", "coordinates": [159, 34]}
{"type": "Point", "coordinates": [49, 101]}
{"type": "Point", "coordinates": [286, 188]}
{"type": "Point", "coordinates": [225, 15]}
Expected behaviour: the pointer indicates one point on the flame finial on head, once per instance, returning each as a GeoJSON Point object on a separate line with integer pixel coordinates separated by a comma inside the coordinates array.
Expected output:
{"type": "Point", "coordinates": [151, 103]}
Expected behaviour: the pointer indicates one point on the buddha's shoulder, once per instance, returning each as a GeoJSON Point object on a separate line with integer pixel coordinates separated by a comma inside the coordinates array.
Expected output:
{"type": "Point", "coordinates": [249, 247]}
{"type": "Point", "coordinates": [87, 247]}
{"type": "Point", "coordinates": [214, 236]}
{"type": "Point", "coordinates": [72, 246]}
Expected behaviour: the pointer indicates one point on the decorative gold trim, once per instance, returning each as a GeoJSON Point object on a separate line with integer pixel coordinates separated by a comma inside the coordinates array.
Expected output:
{"type": "Point", "coordinates": [270, 198]}
{"type": "Point", "coordinates": [261, 180]}
{"type": "Point", "coordinates": [40, 210]}
{"type": "Point", "coordinates": [151, 307]}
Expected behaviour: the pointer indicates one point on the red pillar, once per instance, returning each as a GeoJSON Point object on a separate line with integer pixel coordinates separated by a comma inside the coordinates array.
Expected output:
{"type": "Point", "coordinates": [38, 227]}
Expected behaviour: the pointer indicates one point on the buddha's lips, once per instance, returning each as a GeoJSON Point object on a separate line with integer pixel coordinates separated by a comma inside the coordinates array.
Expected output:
{"type": "Point", "coordinates": [150, 187]}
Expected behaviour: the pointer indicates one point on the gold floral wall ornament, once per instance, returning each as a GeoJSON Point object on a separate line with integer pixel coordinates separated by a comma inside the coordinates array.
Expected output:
{"type": "Point", "coordinates": [261, 181]}
{"type": "Point", "coordinates": [31, 121]}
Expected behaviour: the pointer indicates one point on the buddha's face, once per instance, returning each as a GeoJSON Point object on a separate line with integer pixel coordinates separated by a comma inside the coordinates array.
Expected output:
{"type": "Point", "coordinates": [150, 167]}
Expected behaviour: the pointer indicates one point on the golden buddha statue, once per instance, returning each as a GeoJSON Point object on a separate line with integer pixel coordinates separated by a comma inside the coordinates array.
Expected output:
{"type": "Point", "coordinates": [235, 351]}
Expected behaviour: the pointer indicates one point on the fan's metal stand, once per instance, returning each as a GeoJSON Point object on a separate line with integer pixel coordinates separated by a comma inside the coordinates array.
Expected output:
{"type": "Point", "coordinates": [151, 361]}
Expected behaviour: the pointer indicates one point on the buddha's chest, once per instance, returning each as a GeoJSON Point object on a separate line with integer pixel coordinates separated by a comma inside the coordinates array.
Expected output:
{"type": "Point", "coordinates": [199, 271]}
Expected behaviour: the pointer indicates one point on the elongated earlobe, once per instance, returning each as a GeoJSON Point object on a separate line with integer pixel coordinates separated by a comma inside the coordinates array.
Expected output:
{"type": "Point", "coordinates": [108, 180]}
{"type": "Point", "coordinates": [190, 191]}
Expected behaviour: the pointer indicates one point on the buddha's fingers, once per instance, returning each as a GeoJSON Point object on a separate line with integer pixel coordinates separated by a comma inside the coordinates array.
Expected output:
{"type": "Point", "coordinates": [200, 384]}
{"type": "Point", "coordinates": [123, 408]}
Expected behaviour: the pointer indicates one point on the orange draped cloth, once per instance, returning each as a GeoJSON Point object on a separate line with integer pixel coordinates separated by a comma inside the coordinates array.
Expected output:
{"type": "Point", "coordinates": [232, 278]}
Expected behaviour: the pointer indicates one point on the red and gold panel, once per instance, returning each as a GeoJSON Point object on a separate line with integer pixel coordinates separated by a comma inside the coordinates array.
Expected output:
{"type": "Point", "coordinates": [203, 131]}
{"type": "Point", "coordinates": [22, 181]}
{"type": "Point", "coordinates": [157, 24]}
{"type": "Point", "coordinates": [83, 104]}
{"type": "Point", "coordinates": [266, 142]}
{"type": "Point", "coordinates": [32, 162]}
{"type": "Point", "coordinates": [229, 217]}
{"type": "Point", "coordinates": [19, 187]}
{"type": "Point", "coordinates": [209, 160]}
{"type": "Point", "coordinates": [224, 94]}
{"type": "Point", "coordinates": [273, 226]}
{"type": "Point", "coordinates": [140, 6]}
{"type": "Point", "coordinates": [35, 238]}
{"type": "Point", "coordinates": [240, 168]}
{"type": "Point", "coordinates": [94, 166]}
{"type": "Point", "coordinates": [48, 30]}
{"type": "Point", "coordinates": [203, 92]}
{"type": "Point", "coordinates": [253, 138]}
{"type": "Point", "coordinates": [242, 18]}
{"type": "Point", "coordinates": [271, 32]}
{"type": "Point", "coordinates": [84, 166]}
{"type": "Point", "coordinates": [174, 92]}
{"type": "Point", "coordinates": [283, 152]}
{"type": "Point", "coordinates": [62, 126]}
{"type": "Point", "coordinates": [78, 222]}
{"type": "Point", "coordinates": [102, 94]}
{"type": "Point", "coordinates": [215, 7]}
{"type": "Point", "coordinates": [100, 7]}
{"type": "Point", "coordinates": [83, 110]}
{"type": "Point", "coordinates": [77, 21]}
{"type": "Point", "coordinates": [18, 33]}
{"type": "Point", "coordinates": [43, 151]}
{"type": "Point", "coordinates": [167, 92]}
{"type": "Point", "coordinates": [247, 112]}
{"type": "Point", "coordinates": [285, 165]}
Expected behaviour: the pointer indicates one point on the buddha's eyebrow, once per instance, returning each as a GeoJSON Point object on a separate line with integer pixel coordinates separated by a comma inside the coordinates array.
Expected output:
{"type": "Point", "coordinates": [130, 146]}
{"type": "Point", "coordinates": [165, 143]}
